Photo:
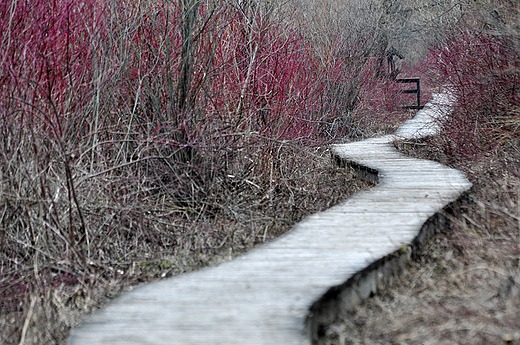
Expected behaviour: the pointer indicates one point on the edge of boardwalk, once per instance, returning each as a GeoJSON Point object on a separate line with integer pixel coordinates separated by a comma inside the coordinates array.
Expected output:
{"type": "Point", "coordinates": [285, 291]}
{"type": "Point", "coordinates": [339, 300]}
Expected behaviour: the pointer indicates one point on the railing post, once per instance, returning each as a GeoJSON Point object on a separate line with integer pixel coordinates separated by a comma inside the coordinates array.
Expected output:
{"type": "Point", "coordinates": [418, 93]}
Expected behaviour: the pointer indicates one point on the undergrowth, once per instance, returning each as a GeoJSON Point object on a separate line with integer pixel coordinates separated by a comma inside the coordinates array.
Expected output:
{"type": "Point", "coordinates": [148, 138]}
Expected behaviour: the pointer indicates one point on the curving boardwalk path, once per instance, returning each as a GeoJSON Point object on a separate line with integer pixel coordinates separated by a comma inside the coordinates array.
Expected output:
{"type": "Point", "coordinates": [282, 292]}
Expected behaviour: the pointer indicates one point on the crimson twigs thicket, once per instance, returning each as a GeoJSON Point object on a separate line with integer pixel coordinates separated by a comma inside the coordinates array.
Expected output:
{"type": "Point", "coordinates": [122, 122]}
{"type": "Point", "coordinates": [479, 59]}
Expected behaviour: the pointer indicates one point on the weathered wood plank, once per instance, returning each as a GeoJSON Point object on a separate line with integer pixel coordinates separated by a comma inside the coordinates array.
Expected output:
{"type": "Point", "coordinates": [265, 295]}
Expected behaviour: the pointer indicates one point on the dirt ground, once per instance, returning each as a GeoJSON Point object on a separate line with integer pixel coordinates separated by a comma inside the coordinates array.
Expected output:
{"type": "Point", "coordinates": [464, 287]}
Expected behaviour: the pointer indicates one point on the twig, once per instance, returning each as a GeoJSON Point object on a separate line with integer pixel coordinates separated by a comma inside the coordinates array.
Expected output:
{"type": "Point", "coordinates": [27, 320]}
{"type": "Point", "coordinates": [479, 267]}
{"type": "Point", "coordinates": [518, 219]}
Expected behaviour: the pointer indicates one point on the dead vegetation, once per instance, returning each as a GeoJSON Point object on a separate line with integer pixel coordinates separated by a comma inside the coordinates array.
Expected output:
{"type": "Point", "coordinates": [140, 140]}
{"type": "Point", "coordinates": [44, 296]}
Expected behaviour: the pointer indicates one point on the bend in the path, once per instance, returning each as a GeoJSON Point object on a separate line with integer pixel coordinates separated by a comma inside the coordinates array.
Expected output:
{"type": "Point", "coordinates": [264, 296]}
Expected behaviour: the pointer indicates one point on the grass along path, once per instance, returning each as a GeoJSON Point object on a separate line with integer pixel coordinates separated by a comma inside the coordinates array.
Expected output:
{"type": "Point", "coordinates": [247, 218]}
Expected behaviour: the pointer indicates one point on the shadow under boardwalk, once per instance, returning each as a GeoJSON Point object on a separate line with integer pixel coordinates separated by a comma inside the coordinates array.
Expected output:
{"type": "Point", "coordinates": [272, 294]}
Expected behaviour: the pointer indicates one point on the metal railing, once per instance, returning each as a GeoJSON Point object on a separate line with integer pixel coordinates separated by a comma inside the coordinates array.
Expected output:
{"type": "Point", "coordinates": [417, 90]}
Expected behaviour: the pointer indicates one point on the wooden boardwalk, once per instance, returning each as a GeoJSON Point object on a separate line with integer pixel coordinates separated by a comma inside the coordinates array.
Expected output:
{"type": "Point", "coordinates": [281, 292]}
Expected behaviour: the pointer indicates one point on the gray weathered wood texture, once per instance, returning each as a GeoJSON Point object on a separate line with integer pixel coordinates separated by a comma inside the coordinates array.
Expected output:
{"type": "Point", "coordinates": [265, 295]}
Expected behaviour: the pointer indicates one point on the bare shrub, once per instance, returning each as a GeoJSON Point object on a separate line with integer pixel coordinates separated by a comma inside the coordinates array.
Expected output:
{"type": "Point", "coordinates": [148, 138]}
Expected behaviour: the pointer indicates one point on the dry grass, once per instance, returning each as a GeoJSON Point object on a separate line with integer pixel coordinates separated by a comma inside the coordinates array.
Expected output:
{"type": "Point", "coordinates": [464, 288]}
{"type": "Point", "coordinates": [43, 298]}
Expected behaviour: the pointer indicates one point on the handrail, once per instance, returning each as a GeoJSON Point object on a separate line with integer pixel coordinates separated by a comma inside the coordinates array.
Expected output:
{"type": "Point", "coordinates": [417, 90]}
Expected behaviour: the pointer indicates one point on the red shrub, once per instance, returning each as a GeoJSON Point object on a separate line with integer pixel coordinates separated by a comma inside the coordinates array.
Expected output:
{"type": "Point", "coordinates": [46, 62]}
{"type": "Point", "coordinates": [482, 68]}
